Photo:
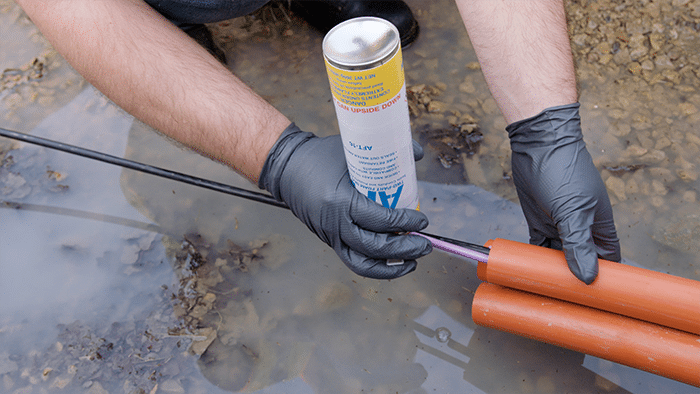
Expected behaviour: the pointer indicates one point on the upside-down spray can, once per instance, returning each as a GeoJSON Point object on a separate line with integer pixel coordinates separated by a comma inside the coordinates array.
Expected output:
{"type": "Point", "coordinates": [365, 70]}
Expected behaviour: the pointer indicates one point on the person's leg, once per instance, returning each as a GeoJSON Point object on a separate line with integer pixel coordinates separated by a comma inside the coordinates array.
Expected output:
{"type": "Point", "coordinates": [325, 14]}
{"type": "Point", "coordinates": [191, 15]}
{"type": "Point", "coordinates": [204, 11]}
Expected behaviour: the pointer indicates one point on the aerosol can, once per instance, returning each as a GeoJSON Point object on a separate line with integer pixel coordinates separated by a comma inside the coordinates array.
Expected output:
{"type": "Point", "coordinates": [365, 70]}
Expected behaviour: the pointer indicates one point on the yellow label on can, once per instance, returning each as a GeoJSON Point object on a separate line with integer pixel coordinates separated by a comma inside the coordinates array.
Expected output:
{"type": "Point", "coordinates": [367, 88]}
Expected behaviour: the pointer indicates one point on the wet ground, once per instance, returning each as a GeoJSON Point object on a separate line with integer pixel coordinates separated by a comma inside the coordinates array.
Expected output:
{"type": "Point", "coordinates": [118, 282]}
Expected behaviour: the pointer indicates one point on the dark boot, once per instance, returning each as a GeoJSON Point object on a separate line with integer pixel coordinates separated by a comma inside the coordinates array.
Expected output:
{"type": "Point", "coordinates": [202, 35]}
{"type": "Point", "coordinates": [325, 14]}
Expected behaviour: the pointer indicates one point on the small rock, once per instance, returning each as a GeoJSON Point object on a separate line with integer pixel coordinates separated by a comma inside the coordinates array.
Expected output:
{"type": "Point", "coordinates": [172, 386]}
{"type": "Point", "coordinates": [622, 57]}
{"type": "Point", "coordinates": [416, 89]}
{"type": "Point", "coordinates": [605, 59]}
{"type": "Point", "coordinates": [617, 113]}
{"type": "Point", "coordinates": [96, 388]}
{"type": "Point", "coordinates": [14, 186]}
{"type": "Point", "coordinates": [617, 187]}
{"type": "Point", "coordinates": [642, 122]}
{"type": "Point", "coordinates": [687, 108]}
{"type": "Point", "coordinates": [658, 187]}
{"type": "Point", "coordinates": [436, 106]}
{"type": "Point", "coordinates": [638, 52]}
{"type": "Point", "coordinates": [680, 232]}
{"type": "Point", "coordinates": [657, 201]}
{"type": "Point", "coordinates": [662, 143]}
{"type": "Point", "coordinates": [691, 136]}
{"type": "Point", "coordinates": [662, 61]}
{"type": "Point", "coordinates": [604, 48]}
{"type": "Point", "coordinates": [654, 156]}
{"type": "Point", "coordinates": [635, 151]}
{"type": "Point", "coordinates": [61, 381]}
{"type": "Point", "coordinates": [658, 27]}
{"type": "Point", "coordinates": [621, 130]}
{"type": "Point", "coordinates": [672, 76]}
{"type": "Point", "coordinates": [656, 40]}
{"type": "Point", "coordinates": [579, 39]}
{"type": "Point", "coordinates": [663, 174]}
{"type": "Point", "coordinates": [637, 41]}
{"type": "Point", "coordinates": [489, 106]}
{"type": "Point", "coordinates": [690, 196]}
{"type": "Point", "coordinates": [634, 68]}
{"type": "Point", "coordinates": [473, 66]}
{"type": "Point", "coordinates": [207, 336]}
{"type": "Point", "coordinates": [467, 87]}
{"type": "Point", "coordinates": [687, 175]}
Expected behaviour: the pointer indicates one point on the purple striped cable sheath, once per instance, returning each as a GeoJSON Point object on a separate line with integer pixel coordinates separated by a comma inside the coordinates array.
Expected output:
{"type": "Point", "coordinates": [449, 247]}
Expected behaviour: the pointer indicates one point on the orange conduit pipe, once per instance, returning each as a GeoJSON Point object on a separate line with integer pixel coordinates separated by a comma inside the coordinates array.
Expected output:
{"type": "Point", "coordinates": [635, 292]}
{"type": "Point", "coordinates": [647, 346]}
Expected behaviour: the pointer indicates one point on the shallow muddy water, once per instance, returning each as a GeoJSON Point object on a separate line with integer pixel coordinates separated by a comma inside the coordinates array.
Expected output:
{"type": "Point", "coordinates": [117, 282]}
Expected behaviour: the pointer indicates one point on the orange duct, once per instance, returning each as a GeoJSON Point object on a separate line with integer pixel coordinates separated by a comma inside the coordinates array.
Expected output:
{"type": "Point", "coordinates": [635, 292]}
{"type": "Point", "coordinates": [664, 351]}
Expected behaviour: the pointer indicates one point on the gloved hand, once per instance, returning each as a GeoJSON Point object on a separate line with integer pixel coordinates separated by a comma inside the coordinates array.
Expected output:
{"type": "Point", "coordinates": [310, 175]}
{"type": "Point", "coordinates": [561, 192]}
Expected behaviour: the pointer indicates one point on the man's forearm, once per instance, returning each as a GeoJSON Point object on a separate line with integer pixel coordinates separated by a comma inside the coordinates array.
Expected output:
{"type": "Point", "coordinates": [524, 51]}
{"type": "Point", "coordinates": [157, 73]}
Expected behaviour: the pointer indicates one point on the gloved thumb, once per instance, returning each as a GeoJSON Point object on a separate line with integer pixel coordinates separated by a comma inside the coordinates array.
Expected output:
{"type": "Point", "coordinates": [578, 245]}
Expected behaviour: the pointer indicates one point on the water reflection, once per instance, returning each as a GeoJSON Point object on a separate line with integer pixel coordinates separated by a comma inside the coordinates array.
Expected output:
{"type": "Point", "coordinates": [82, 273]}
{"type": "Point", "coordinates": [71, 243]}
{"type": "Point", "coordinates": [344, 334]}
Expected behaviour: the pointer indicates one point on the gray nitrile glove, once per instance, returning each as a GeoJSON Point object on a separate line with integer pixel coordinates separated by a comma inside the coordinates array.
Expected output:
{"type": "Point", "coordinates": [561, 192]}
{"type": "Point", "coordinates": [310, 175]}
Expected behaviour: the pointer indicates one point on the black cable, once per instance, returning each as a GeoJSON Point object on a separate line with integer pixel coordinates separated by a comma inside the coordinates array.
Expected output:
{"type": "Point", "coordinates": [176, 176]}
{"type": "Point", "coordinates": [468, 245]}
{"type": "Point", "coordinates": [132, 165]}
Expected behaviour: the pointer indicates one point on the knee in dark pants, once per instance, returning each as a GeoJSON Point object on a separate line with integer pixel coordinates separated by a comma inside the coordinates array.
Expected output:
{"type": "Point", "coordinates": [204, 11]}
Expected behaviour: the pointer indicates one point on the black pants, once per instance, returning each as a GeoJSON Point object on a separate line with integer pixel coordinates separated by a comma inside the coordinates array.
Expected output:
{"type": "Point", "coordinates": [204, 11]}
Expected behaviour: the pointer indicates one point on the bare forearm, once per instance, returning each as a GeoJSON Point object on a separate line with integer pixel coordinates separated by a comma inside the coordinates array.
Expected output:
{"type": "Point", "coordinates": [158, 74]}
{"type": "Point", "coordinates": [524, 51]}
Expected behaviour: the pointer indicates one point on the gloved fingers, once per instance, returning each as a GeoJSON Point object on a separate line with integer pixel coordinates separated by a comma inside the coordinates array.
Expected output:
{"type": "Point", "coordinates": [579, 247]}
{"type": "Point", "coordinates": [385, 245]}
{"type": "Point", "coordinates": [545, 240]}
{"type": "Point", "coordinates": [374, 217]}
{"type": "Point", "coordinates": [606, 240]}
{"type": "Point", "coordinates": [375, 268]}
{"type": "Point", "coordinates": [417, 151]}
{"type": "Point", "coordinates": [543, 231]}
